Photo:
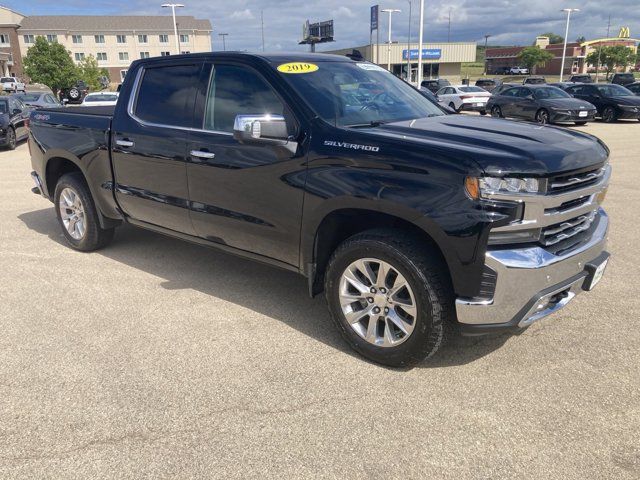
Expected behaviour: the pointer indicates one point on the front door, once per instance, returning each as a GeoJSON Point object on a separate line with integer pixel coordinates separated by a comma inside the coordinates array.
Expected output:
{"type": "Point", "coordinates": [150, 146]}
{"type": "Point", "coordinates": [245, 196]}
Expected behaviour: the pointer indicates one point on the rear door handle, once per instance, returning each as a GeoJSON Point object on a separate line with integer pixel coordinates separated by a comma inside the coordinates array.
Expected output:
{"type": "Point", "coordinates": [124, 143]}
{"type": "Point", "coordinates": [201, 154]}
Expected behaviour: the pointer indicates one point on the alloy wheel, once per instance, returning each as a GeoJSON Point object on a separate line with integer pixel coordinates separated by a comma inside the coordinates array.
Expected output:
{"type": "Point", "coordinates": [11, 142]}
{"type": "Point", "coordinates": [72, 213]}
{"type": "Point", "coordinates": [378, 302]}
{"type": "Point", "coordinates": [496, 111]}
{"type": "Point", "coordinates": [542, 117]}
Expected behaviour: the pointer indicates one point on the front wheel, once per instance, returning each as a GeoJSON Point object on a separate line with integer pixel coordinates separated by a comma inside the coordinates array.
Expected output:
{"type": "Point", "coordinates": [11, 139]}
{"type": "Point", "coordinates": [390, 296]}
{"type": "Point", "coordinates": [609, 115]}
{"type": "Point", "coordinates": [78, 216]}
{"type": "Point", "coordinates": [483, 112]}
{"type": "Point", "coordinates": [542, 117]}
{"type": "Point", "coordinates": [496, 112]}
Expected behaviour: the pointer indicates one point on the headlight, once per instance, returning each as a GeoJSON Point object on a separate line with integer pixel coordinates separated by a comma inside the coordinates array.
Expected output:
{"type": "Point", "coordinates": [510, 185]}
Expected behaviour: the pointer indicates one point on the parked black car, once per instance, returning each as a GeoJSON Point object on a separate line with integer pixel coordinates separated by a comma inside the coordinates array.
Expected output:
{"type": "Point", "coordinates": [612, 101]}
{"type": "Point", "coordinates": [502, 87]}
{"type": "Point", "coordinates": [407, 218]}
{"type": "Point", "coordinates": [541, 103]}
{"type": "Point", "coordinates": [634, 87]}
{"type": "Point", "coordinates": [435, 85]}
{"type": "Point", "coordinates": [623, 78]}
{"type": "Point", "coordinates": [581, 78]}
{"type": "Point", "coordinates": [489, 84]}
{"type": "Point", "coordinates": [75, 94]}
{"type": "Point", "coordinates": [534, 81]}
{"type": "Point", "coordinates": [14, 121]}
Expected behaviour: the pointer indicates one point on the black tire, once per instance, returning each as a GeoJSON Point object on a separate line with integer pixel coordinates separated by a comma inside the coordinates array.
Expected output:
{"type": "Point", "coordinates": [11, 139]}
{"type": "Point", "coordinates": [95, 237]}
{"type": "Point", "coordinates": [542, 117]}
{"type": "Point", "coordinates": [496, 112]}
{"type": "Point", "coordinates": [609, 115]}
{"type": "Point", "coordinates": [428, 278]}
{"type": "Point", "coordinates": [580, 124]}
{"type": "Point", "coordinates": [452, 106]}
{"type": "Point", "coordinates": [483, 112]}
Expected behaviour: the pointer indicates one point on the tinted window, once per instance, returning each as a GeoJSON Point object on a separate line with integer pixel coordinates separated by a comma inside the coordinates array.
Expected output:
{"type": "Point", "coordinates": [6, 79]}
{"type": "Point", "coordinates": [4, 106]}
{"type": "Point", "coordinates": [166, 95]}
{"type": "Point", "coordinates": [613, 91]}
{"type": "Point", "coordinates": [235, 91]}
{"type": "Point", "coordinates": [634, 88]}
{"type": "Point", "coordinates": [471, 89]}
{"type": "Point", "coordinates": [551, 92]}
{"type": "Point", "coordinates": [101, 98]}
{"type": "Point", "coordinates": [510, 92]}
{"type": "Point", "coordinates": [31, 97]}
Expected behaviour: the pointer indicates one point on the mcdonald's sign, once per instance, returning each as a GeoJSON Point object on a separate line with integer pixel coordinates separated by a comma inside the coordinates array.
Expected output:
{"type": "Point", "coordinates": [624, 32]}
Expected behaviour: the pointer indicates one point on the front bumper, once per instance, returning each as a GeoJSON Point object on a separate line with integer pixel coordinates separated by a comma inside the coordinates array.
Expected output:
{"type": "Point", "coordinates": [626, 114]}
{"type": "Point", "coordinates": [565, 116]}
{"type": "Point", "coordinates": [532, 283]}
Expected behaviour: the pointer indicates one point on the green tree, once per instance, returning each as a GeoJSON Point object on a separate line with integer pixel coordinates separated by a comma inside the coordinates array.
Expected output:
{"type": "Point", "coordinates": [90, 72]}
{"type": "Point", "coordinates": [532, 57]}
{"type": "Point", "coordinates": [618, 56]}
{"type": "Point", "coordinates": [554, 38]}
{"type": "Point", "coordinates": [581, 39]}
{"type": "Point", "coordinates": [50, 64]}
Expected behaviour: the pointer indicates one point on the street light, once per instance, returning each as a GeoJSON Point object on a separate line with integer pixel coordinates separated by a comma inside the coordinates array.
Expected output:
{"type": "Point", "coordinates": [390, 11]}
{"type": "Point", "coordinates": [420, 38]}
{"type": "Point", "coordinates": [566, 34]}
{"type": "Point", "coordinates": [486, 39]}
{"type": "Point", "coordinates": [173, 7]}
{"type": "Point", "coordinates": [409, 45]}
{"type": "Point", "coordinates": [224, 43]}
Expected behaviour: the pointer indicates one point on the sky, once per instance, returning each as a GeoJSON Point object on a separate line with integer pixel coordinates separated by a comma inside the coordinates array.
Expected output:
{"type": "Point", "coordinates": [510, 22]}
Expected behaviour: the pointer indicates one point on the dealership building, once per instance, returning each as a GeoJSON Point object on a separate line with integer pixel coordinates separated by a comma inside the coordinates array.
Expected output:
{"type": "Point", "coordinates": [114, 41]}
{"type": "Point", "coordinates": [440, 60]}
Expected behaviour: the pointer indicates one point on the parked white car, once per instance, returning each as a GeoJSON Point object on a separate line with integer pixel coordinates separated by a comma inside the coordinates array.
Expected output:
{"type": "Point", "coordinates": [12, 84]}
{"type": "Point", "coordinates": [519, 71]}
{"type": "Point", "coordinates": [464, 97]}
{"type": "Point", "coordinates": [100, 99]}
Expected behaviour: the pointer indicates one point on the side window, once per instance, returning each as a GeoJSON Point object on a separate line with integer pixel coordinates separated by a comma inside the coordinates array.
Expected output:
{"type": "Point", "coordinates": [511, 92]}
{"type": "Point", "coordinates": [524, 92]}
{"type": "Point", "coordinates": [166, 95]}
{"type": "Point", "coordinates": [236, 90]}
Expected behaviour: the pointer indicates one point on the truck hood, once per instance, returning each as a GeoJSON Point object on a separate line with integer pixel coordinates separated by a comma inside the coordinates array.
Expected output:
{"type": "Point", "coordinates": [500, 147]}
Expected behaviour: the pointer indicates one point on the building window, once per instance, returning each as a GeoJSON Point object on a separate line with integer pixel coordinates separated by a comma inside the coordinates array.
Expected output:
{"type": "Point", "coordinates": [79, 57]}
{"type": "Point", "coordinates": [28, 39]}
{"type": "Point", "coordinates": [52, 38]}
{"type": "Point", "coordinates": [142, 39]}
{"type": "Point", "coordinates": [99, 38]}
{"type": "Point", "coordinates": [165, 54]}
{"type": "Point", "coordinates": [76, 38]}
{"type": "Point", "coordinates": [144, 54]}
{"type": "Point", "coordinates": [184, 38]}
{"type": "Point", "coordinates": [4, 40]}
{"type": "Point", "coordinates": [121, 39]}
{"type": "Point", "coordinates": [164, 38]}
{"type": "Point", "coordinates": [123, 73]}
{"type": "Point", "coordinates": [123, 56]}
{"type": "Point", "coordinates": [101, 56]}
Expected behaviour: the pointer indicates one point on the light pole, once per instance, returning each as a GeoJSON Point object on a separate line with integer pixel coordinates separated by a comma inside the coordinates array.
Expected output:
{"type": "Point", "coordinates": [486, 39]}
{"type": "Point", "coordinates": [224, 43]}
{"type": "Point", "coordinates": [409, 45]}
{"type": "Point", "coordinates": [566, 34]}
{"type": "Point", "coordinates": [173, 7]}
{"type": "Point", "coordinates": [390, 11]}
{"type": "Point", "coordinates": [420, 35]}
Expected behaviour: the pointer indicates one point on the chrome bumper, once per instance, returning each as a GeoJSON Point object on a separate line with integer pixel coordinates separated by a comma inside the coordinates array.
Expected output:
{"type": "Point", "coordinates": [532, 283]}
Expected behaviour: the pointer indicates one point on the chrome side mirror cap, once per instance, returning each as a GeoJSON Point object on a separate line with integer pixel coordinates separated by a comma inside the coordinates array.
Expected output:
{"type": "Point", "coordinates": [261, 129]}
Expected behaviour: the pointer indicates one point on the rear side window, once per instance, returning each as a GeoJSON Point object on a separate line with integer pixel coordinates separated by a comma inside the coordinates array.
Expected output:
{"type": "Point", "coordinates": [167, 94]}
{"type": "Point", "coordinates": [236, 90]}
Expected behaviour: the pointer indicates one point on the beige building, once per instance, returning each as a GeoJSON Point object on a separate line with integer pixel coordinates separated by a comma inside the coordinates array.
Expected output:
{"type": "Point", "coordinates": [10, 58]}
{"type": "Point", "coordinates": [440, 60]}
{"type": "Point", "coordinates": [116, 41]}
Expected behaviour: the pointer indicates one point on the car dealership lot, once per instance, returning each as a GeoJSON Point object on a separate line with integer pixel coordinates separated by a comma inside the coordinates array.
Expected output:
{"type": "Point", "coordinates": [162, 359]}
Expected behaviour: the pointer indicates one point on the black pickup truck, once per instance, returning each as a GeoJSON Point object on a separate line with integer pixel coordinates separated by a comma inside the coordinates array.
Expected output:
{"type": "Point", "coordinates": [411, 221]}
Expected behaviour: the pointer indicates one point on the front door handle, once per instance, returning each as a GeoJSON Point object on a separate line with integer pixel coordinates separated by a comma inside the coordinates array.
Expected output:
{"type": "Point", "coordinates": [124, 143]}
{"type": "Point", "coordinates": [201, 154]}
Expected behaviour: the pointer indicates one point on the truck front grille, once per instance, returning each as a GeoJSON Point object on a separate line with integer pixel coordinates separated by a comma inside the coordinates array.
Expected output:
{"type": "Point", "coordinates": [574, 181]}
{"type": "Point", "coordinates": [559, 232]}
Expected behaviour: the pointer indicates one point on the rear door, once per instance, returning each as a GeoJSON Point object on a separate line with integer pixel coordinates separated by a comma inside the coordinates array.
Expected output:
{"type": "Point", "coordinates": [149, 143]}
{"type": "Point", "coordinates": [18, 116]}
{"type": "Point", "coordinates": [245, 196]}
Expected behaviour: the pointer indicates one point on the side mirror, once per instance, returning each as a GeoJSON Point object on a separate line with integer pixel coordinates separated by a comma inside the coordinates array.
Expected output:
{"type": "Point", "coordinates": [261, 129]}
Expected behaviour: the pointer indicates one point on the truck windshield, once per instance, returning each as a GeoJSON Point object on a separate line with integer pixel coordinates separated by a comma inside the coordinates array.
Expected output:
{"type": "Point", "coordinates": [6, 80]}
{"type": "Point", "coordinates": [355, 94]}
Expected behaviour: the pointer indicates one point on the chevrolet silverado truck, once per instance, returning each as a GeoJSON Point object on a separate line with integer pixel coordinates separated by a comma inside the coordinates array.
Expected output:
{"type": "Point", "coordinates": [414, 223]}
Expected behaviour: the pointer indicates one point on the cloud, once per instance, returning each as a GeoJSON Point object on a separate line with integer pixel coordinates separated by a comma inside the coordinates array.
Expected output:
{"type": "Point", "coordinates": [242, 15]}
{"type": "Point", "coordinates": [343, 12]}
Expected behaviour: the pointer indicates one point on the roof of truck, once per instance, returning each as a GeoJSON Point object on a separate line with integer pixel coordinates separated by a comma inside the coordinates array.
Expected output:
{"type": "Point", "coordinates": [269, 57]}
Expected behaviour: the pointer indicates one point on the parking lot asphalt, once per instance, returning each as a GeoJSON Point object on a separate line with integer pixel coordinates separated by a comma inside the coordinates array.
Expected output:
{"type": "Point", "coordinates": [158, 359]}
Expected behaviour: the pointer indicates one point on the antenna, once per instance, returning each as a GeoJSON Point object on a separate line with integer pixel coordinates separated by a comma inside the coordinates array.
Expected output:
{"type": "Point", "coordinates": [262, 22]}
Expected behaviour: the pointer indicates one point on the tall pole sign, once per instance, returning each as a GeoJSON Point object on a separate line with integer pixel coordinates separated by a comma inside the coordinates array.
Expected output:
{"type": "Point", "coordinates": [375, 11]}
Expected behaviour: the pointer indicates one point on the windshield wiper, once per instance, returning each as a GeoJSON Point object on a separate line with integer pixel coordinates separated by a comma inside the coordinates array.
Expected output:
{"type": "Point", "coordinates": [373, 123]}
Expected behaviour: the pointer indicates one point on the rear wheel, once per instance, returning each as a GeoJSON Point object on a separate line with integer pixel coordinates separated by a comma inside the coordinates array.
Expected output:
{"type": "Point", "coordinates": [483, 112]}
{"type": "Point", "coordinates": [580, 123]}
{"type": "Point", "coordinates": [78, 215]}
{"type": "Point", "coordinates": [542, 117]}
{"type": "Point", "coordinates": [11, 139]}
{"type": "Point", "coordinates": [452, 106]}
{"type": "Point", "coordinates": [389, 296]}
{"type": "Point", "coordinates": [496, 111]}
{"type": "Point", "coordinates": [609, 115]}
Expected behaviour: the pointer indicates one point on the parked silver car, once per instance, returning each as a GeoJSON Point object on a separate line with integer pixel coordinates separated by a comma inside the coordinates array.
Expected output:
{"type": "Point", "coordinates": [40, 99]}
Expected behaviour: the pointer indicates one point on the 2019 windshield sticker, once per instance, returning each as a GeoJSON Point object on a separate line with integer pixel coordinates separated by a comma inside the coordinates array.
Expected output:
{"type": "Point", "coordinates": [351, 146]}
{"type": "Point", "coordinates": [298, 67]}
